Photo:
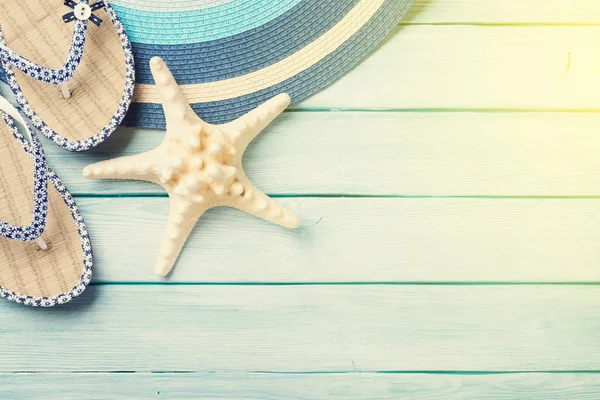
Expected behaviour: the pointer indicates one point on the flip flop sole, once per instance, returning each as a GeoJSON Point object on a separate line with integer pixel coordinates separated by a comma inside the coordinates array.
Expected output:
{"type": "Point", "coordinates": [28, 274]}
{"type": "Point", "coordinates": [99, 88]}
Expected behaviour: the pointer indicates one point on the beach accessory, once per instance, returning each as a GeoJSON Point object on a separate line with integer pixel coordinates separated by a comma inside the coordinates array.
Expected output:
{"type": "Point", "coordinates": [70, 67]}
{"type": "Point", "coordinates": [229, 56]}
{"type": "Point", "coordinates": [199, 165]}
{"type": "Point", "coordinates": [37, 270]}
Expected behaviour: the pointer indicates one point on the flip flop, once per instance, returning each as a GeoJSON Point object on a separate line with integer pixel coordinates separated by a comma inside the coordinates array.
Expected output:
{"type": "Point", "coordinates": [35, 270]}
{"type": "Point", "coordinates": [85, 97]}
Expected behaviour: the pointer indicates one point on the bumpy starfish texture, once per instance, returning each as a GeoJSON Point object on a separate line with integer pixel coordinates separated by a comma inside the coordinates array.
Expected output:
{"type": "Point", "coordinates": [199, 165]}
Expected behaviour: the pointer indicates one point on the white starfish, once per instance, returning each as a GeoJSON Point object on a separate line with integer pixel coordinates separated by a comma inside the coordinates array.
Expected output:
{"type": "Point", "coordinates": [199, 165]}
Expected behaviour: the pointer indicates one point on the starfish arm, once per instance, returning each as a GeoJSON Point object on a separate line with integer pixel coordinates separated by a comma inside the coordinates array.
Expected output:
{"type": "Point", "coordinates": [136, 167]}
{"type": "Point", "coordinates": [244, 129]}
{"type": "Point", "coordinates": [176, 107]}
{"type": "Point", "coordinates": [183, 216]}
{"type": "Point", "coordinates": [253, 201]}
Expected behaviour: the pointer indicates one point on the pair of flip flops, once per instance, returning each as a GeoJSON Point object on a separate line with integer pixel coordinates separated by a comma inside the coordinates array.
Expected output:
{"type": "Point", "coordinates": [77, 102]}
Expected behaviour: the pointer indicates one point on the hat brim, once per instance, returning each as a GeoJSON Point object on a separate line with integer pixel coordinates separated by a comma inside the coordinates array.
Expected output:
{"type": "Point", "coordinates": [226, 77]}
{"type": "Point", "coordinates": [231, 56]}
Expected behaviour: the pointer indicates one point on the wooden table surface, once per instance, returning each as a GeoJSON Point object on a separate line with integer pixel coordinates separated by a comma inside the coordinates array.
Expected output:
{"type": "Point", "coordinates": [449, 189]}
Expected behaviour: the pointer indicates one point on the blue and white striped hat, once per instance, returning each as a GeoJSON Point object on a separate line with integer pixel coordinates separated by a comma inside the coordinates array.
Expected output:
{"type": "Point", "coordinates": [231, 55]}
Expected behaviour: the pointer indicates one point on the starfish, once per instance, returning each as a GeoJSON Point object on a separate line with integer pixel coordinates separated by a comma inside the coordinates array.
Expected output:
{"type": "Point", "coordinates": [199, 165]}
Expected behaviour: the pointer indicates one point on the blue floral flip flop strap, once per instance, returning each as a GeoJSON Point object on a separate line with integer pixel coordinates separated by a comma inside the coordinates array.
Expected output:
{"type": "Point", "coordinates": [40, 179]}
{"type": "Point", "coordinates": [81, 14]}
{"type": "Point", "coordinates": [63, 268]}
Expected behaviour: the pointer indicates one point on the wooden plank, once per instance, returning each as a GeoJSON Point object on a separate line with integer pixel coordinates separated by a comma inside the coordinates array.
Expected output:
{"type": "Point", "coordinates": [473, 67]}
{"type": "Point", "coordinates": [322, 328]}
{"type": "Point", "coordinates": [504, 12]}
{"type": "Point", "coordinates": [357, 240]}
{"type": "Point", "coordinates": [439, 154]}
{"type": "Point", "coordinates": [198, 386]}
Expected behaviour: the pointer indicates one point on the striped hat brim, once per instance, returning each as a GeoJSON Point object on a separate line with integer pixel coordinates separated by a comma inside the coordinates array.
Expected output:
{"type": "Point", "coordinates": [229, 56]}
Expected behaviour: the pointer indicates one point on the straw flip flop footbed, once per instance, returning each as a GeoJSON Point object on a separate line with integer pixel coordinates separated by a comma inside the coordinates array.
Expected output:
{"type": "Point", "coordinates": [35, 30]}
{"type": "Point", "coordinates": [24, 268]}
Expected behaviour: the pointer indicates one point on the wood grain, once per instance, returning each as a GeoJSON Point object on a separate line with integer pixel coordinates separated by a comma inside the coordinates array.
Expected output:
{"type": "Point", "coordinates": [504, 12]}
{"type": "Point", "coordinates": [357, 240]}
{"type": "Point", "coordinates": [439, 154]}
{"type": "Point", "coordinates": [303, 328]}
{"type": "Point", "coordinates": [473, 67]}
{"type": "Point", "coordinates": [210, 386]}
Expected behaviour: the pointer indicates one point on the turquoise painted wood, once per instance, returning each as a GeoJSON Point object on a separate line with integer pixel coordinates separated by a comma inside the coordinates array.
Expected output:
{"type": "Point", "coordinates": [394, 240]}
{"type": "Point", "coordinates": [491, 12]}
{"type": "Point", "coordinates": [449, 189]}
{"type": "Point", "coordinates": [353, 386]}
{"type": "Point", "coordinates": [471, 67]}
{"type": "Point", "coordinates": [309, 328]}
{"type": "Point", "coordinates": [407, 154]}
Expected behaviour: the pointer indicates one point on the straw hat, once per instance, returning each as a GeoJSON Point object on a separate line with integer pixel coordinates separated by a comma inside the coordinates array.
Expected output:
{"type": "Point", "coordinates": [230, 56]}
